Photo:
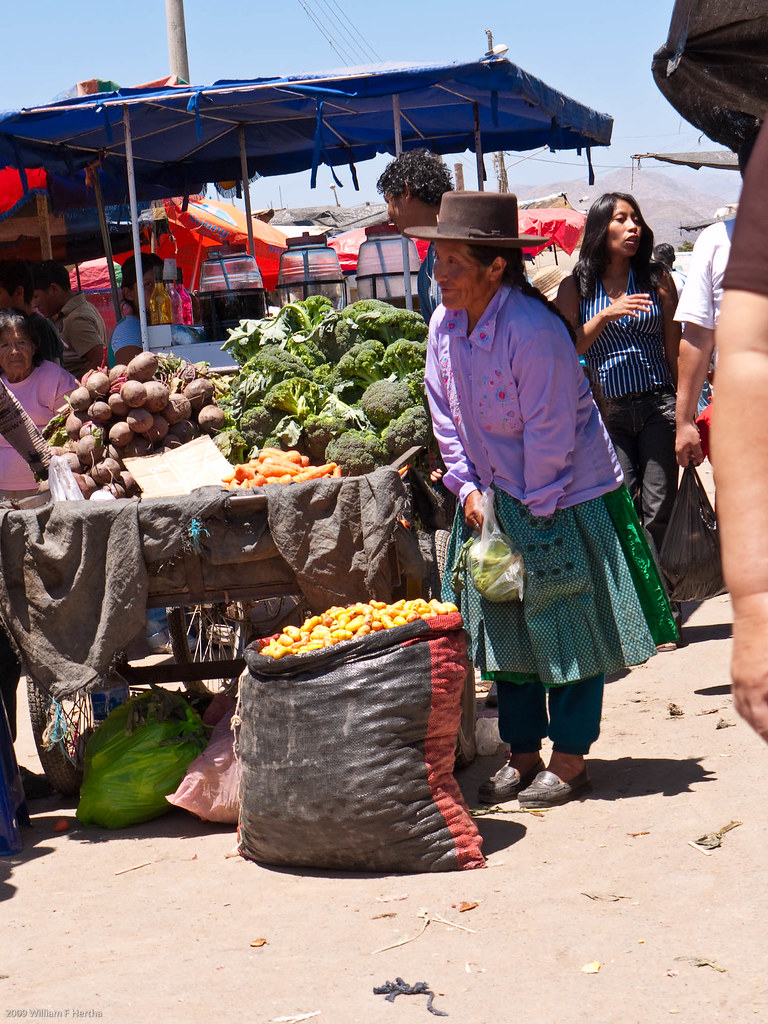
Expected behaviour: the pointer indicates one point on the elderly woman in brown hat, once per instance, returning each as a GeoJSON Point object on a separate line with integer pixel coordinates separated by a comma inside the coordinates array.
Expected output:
{"type": "Point", "coordinates": [513, 414]}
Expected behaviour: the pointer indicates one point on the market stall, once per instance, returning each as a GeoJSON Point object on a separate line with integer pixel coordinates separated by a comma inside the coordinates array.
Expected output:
{"type": "Point", "coordinates": [175, 136]}
{"type": "Point", "coordinates": [172, 137]}
{"type": "Point", "coordinates": [74, 607]}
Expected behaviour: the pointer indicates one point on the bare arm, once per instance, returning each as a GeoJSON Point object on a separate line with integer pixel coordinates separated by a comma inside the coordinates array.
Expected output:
{"type": "Point", "coordinates": [567, 302]}
{"type": "Point", "coordinates": [696, 347]}
{"type": "Point", "coordinates": [95, 357]}
{"type": "Point", "coordinates": [740, 448]}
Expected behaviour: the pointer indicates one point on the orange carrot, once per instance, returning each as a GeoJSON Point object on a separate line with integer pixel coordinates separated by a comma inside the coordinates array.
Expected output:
{"type": "Point", "coordinates": [276, 453]}
{"type": "Point", "coordinates": [337, 470]}
{"type": "Point", "coordinates": [274, 467]}
{"type": "Point", "coordinates": [315, 473]}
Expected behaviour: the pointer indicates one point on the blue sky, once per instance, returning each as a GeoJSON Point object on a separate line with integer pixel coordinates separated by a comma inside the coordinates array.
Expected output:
{"type": "Point", "coordinates": [601, 59]}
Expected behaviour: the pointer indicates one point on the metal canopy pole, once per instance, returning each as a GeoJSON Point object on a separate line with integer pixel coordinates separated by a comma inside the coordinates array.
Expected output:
{"type": "Point", "coordinates": [479, 150]}
{"type": "Point", "coordinates": [107, 243]}
{"type": "Point", "coordinates": [135, 229]}
{"type": "Point", "coordinates": [404, 240]}
{"type": "Point", "coordinates": [246, 187]}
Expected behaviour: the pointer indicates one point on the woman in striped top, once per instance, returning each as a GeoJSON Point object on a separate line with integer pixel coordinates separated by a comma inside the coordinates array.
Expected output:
{"type": "Point", "coordinates": [621, 305]}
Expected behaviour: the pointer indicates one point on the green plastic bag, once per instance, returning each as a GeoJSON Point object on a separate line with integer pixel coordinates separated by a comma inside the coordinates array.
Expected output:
{"type": "Point", "coordinates": [137, 757]}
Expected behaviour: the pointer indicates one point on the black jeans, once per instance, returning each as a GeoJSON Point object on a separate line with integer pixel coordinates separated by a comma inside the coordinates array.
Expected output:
{"type": "Point", "coordinates": [642, 428]}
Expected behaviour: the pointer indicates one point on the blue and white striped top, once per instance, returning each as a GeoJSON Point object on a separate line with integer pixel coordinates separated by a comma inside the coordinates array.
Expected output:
{"type": "Point", "coordinates": [628, 354]}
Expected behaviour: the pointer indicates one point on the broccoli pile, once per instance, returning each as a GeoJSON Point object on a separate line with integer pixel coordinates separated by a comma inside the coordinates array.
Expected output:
{"type": "Point", "coordinates": [344, 387]}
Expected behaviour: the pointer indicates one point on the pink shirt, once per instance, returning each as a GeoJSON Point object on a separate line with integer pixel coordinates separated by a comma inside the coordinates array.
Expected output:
{"type": "Point", "coordinates": [510, 405]}
{"type": "Point", "coordinates": [41, 394]}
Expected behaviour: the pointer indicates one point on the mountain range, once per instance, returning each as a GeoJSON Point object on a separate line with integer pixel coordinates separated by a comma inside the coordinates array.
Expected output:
{"type": "Point", "coordinates": [666, 203]}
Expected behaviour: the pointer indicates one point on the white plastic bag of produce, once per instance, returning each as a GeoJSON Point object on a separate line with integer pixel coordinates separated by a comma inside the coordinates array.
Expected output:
{"type": "Point", "coordinates": [61, 481]}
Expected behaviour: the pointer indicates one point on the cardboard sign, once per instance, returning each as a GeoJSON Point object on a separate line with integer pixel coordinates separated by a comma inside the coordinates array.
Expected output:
{"type": "Point", "coordinates": [198, 463]}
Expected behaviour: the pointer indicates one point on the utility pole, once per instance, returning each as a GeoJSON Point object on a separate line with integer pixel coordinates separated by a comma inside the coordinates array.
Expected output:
{"type": "Point", "coordinates": [177, 39]}
{"type": "Point", "coordinates": [458, 173]}
{"type": "Point", "coordinates": [501, 172]}
{"type": "Point", "coordinates": [498, 158]}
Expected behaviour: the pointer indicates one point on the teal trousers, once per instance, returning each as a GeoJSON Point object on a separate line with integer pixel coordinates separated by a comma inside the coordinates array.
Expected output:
{"type": "Point", "coordinates": [568, 715]}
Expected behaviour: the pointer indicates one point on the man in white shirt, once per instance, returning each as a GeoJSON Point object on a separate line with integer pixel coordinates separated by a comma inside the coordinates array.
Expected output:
{"type": "Point", "coordinates": [698, 311]}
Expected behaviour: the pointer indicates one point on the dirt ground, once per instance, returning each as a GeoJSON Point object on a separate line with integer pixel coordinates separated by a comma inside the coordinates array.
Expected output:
{"type": "Point", "coordinates": [157, 922]}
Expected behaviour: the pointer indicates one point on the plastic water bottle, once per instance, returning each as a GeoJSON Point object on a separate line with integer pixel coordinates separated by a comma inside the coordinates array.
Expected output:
{"type": "Point", "coordinates": [186, 299]}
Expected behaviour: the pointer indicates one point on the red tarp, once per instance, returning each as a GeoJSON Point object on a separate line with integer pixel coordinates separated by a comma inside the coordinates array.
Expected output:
{"type": "Point", "coordinates": [12, 195]}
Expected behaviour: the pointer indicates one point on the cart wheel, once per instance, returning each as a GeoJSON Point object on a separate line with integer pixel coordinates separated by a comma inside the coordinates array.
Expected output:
{"type": "Point", "coordinates": [61, 730]}
{"type": "Point", "coordinates": [208, 632]}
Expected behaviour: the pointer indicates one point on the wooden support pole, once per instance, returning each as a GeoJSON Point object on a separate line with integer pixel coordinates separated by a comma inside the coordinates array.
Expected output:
{"type": "Point", "coordinates": [46, 249]}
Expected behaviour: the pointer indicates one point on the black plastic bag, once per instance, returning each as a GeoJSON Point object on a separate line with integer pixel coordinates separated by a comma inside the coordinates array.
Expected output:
{"type": "Point", "coordinates": [690, 554]}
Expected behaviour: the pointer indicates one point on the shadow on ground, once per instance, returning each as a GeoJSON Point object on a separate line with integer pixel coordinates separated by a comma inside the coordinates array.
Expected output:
{"type": "Point", "coordinates": [640, 776]}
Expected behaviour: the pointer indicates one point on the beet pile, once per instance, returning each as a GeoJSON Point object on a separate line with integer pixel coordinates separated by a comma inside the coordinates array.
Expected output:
{"type": "Point", "coordinates": [153, 404]}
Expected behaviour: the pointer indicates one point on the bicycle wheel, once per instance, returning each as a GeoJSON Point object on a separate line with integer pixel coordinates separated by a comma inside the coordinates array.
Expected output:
{"type": "Point", "coordinates": [210, 633]}
{"type": "Point", "coordinates": [61, 729]}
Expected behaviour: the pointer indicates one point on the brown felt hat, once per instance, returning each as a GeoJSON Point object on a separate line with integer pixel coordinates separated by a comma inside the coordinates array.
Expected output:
{"type": "Point", "coordinates": [477, 218]}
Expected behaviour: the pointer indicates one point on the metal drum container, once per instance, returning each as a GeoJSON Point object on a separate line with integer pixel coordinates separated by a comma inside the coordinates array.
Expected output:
{"type": "Point", "coordinates": [231, 290]}
{"type": "Point", "coordinates": [309, 266]}
{"type": "Point", "coordinates": [380, 271]}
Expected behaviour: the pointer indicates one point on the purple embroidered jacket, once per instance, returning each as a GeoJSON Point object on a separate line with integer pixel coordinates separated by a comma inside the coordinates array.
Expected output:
{"type": "Point", "coordinates": [511, 405]}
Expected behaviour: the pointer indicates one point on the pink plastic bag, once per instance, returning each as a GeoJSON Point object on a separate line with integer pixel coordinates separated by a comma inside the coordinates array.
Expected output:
{"type": "Point", "coordinates": [211, 787]}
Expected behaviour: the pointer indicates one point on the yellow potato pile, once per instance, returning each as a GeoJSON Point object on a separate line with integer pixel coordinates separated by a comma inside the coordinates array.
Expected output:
{"type": "Point", "coordinates": [357, 620]}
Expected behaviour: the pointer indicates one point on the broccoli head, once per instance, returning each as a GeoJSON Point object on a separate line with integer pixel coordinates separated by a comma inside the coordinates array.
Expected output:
{"type": "Point", "coordinates": [297, 396]}
{"type": "Point", "coordinates": [357, 452]}
{"type": "Point", "coordinates": [272, 364]}
{"type": "Point", "coordinates": [257, 424]}
{"type": "Point", "coordinates": [327, 376]}
{"type": "Point", "coordinates": [411, 428]}
{"type": "Point", "coordinates": [318, 433]}
{"type": "Point", "coordinates": [380, 320]}
{"type": "Point", "coordinates": [306, 350]}
{"type": "Point", "coordinates": [403, 357]}
{"type": "Point", "coordinates": [334, 419]}
{"type": "Point", "coordinates": [364, 363]}
{"type": "Point", "coordinates": [415, 382]}
{"type": "Point", "coordinates": [385, 400]}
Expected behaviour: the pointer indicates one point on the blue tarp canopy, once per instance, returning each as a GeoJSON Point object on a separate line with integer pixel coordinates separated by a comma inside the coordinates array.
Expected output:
{"type": "Point", "coordinates": [184, 135]}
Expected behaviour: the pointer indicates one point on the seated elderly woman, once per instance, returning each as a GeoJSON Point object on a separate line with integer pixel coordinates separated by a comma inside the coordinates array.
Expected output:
{"type": "Point", "coordinates": [40, 387]}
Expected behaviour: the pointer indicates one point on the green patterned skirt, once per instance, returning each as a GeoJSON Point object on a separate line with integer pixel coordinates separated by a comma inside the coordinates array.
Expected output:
{"type": "Point", "coordinates": [594, 602]}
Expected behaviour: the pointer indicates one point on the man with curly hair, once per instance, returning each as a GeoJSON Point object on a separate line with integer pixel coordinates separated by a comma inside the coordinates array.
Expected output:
{"type": "Point", "coordinates": [413, 185]}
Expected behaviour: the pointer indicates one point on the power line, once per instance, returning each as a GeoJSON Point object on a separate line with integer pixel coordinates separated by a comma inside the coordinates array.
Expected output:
{"type": "Point", "coordinates": [332, 25]}
{"type": "Point", "coordinates": [329, 39]}
{"type": "Point", "coordinates": [371, 54]}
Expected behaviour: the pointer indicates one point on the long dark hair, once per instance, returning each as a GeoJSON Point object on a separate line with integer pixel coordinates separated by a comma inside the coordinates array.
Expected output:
{"type": "Point", "coordinates": [593, 258]}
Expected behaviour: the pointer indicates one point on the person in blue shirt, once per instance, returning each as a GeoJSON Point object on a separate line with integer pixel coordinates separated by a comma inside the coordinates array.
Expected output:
{"type": "Point", "coordinates": [413, 185]}
{"type": "Point", "coordinates": [125, 342]}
